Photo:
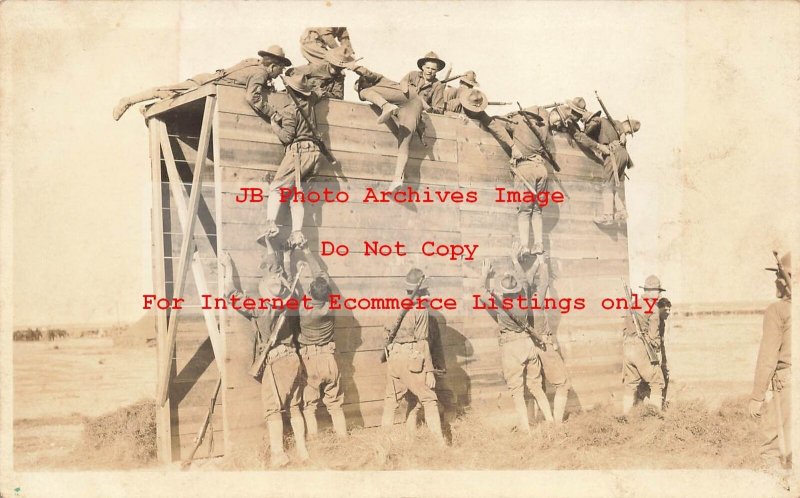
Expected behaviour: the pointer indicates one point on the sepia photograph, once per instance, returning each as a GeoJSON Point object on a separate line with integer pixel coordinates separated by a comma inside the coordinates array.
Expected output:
{"type": "Point", "coordinates": [438, 249]}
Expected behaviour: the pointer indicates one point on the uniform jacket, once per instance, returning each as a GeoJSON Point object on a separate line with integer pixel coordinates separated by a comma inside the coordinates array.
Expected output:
{"type": "Point", "coordinates": [433, 95]}
{"type": "Point", "coordinates": [263, 320]}
{"type": "Point", "coordinates": [254, 76]}
{"type": "Point", "coordinates": [650, 326]}
{"type": "Point", "coordinates": [524, 140]}
{"type": "Point", "coordinates": [319, 78]}
{"type": "Point", "coordinates": [291, 125]}
{"type": "Point", "coordinates": [775, 352]}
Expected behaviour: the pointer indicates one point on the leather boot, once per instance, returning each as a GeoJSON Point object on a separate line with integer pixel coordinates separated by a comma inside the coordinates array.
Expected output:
{"type": "Point", "coordinates": [278, 457]}
{"type": "Point", "coordinates": [522, 412]}
{"type": "Point", "coordinates": [388, 111]}
{"type": "Point", "coordinates": [434, 421]}
{"type": "Point", "coordinates": [339, 422]}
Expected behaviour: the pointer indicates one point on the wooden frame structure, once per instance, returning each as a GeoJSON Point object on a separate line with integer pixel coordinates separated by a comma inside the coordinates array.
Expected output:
{"type": "Point", "coordinates": [207, 143]}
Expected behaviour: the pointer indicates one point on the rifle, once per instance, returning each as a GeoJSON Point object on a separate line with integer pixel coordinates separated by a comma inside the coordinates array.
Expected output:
{"type": "Point", "coordinates": [317, 139]}
{"type": "Point", "coordinates": [610, 150]}
{"type": "Point", "coordinates": [257, 367]}
{"type": "Point", "coordinates": [206, 423]}
{"type": "Point", "coordinates": [538, 341]}
{"type": "Point", "coordinates": [499, 103]}
{"type": "Point", "coordinates": [782, 273]}
{"type": "Point", "coordinates": [444, 81]}
{"type": "Point", "coordinates": [396, 327]}
{"type": "Point", "coordinates": [545, 152]}
{"type": "Point", "coordinates": [782, 443]}
{"type": "Point", "coordinates": [651, 355]}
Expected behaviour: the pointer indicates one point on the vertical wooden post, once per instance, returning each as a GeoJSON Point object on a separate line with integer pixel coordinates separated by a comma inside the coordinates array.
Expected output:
{"type": "Point", "coordinates": [164, 427]}
{"type": "Point", "coordinates": [187, 244]}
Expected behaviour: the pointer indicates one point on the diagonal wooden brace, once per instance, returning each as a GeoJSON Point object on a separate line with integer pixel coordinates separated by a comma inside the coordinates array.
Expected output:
{"type": "Point", "coordinates": [187, 244]}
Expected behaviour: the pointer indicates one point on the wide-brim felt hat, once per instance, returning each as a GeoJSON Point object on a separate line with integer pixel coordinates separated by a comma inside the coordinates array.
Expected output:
{"type": "Point", "coordinates": [786, 262]}
{"type": "Point", "coordinates": [277, 53]}
{"type": "Point", "coordinates": [652, 283]}
{"type": "Point", "coordinates": [413, 277]}
{"type": "Point", "coordinates": [560, 112]}
{"type": "Point", "coordinates": [578, 104]}
{"type": "Point", "coordinates": [473, 100]}
{"type": "Point", "coordinates": [633, 125]}
{"type": "Point", "coordinates": [509, 285]}
{"type": "Point", "coordinates": [469, 79]}
{"type": "Point", "coordinates": [431, 57]}
{"type": "Point", "coordinates": [340, 56]}
{"type": "Point", "coordinates": [297, 82]}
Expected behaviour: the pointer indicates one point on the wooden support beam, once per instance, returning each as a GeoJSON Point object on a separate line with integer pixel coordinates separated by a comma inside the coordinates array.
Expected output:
{"type": "Point", "coordinates": [182, 207]}
{"type": "Point", "coordinates": [187, 245]}
{"type": "Point", "coordinates": [164, 428]}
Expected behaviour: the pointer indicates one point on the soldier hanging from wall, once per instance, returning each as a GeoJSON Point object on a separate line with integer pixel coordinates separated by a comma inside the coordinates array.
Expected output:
{"type": "Point", "coordinates": [294, 126]}
{"type": "Point", "coordinates": [255, 74]}
{"type": "Point", "coordinates": [279, 368]}
{"type": "Point", "coordinates": [608, 140]}
{"type": "Point", "coordinates": [316, 42]}
{"type": "Point", "coordinates": [472, 102]}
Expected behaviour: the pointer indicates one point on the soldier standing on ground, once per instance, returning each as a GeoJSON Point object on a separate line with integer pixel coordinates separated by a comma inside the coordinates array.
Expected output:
{"type": "Point", "coordinates": [283, 377]}
{"type": "Point", "coordinates": [410, 364]}
{"type": "Point", "coordinates": [317, 352]}
{"type": "Point", "coordinates": [774, 370]}
{"type": "Point", "coordinates": [255, 74]}
{"type": "Point", "coordinates": [316, 42]}
{"type": "Point", "coordinates": [528, 155]}
{"type": "Point", "coordinates": [519, 355]}
{"type": "Point", "coordinates": [535, 281]}
{"type": "Point", "coordinates": [637, 367]}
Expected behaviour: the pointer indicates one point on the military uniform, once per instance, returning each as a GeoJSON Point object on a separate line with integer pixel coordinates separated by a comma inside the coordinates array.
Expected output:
{"type": "Point", "coordinates": [774, 372]}
{"type": "Point", "coordinates": [315, 42]}
{"type": "Point", "coordinates": [406, 110]}
{"type": "Point", "coordinates": [636, 364]}
{"type": "Point", "coordinates": [252, 73]}
{"type": "Point", "coordinates": [322, 371]}
{"type": "Point", "coordinates": [323, 79]}
{"type": "Point", "coordinates": [529, 153]}
{"type": "Point", "coordinates": [519, 355]}
{"type": "Point", "coordinates": [601, 131]}
{"type": "Point", "coordinates": [300, 161]}
{"type": "Point", "coordinates": [432, 94]}
{"type": "Point", "coordinates": [284, 377]}
{"type": "Point", "coordinates": [535, 281]}
{"type": "Point", "coordinates": [409, 365]}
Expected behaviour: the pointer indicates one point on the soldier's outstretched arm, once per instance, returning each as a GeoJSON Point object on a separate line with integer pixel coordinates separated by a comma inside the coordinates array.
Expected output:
{"type": "Point", "coordinates": [256, 93]}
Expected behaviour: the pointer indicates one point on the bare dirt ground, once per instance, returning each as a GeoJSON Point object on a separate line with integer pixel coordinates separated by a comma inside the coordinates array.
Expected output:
{"type": "Point", "coordinates": [711, 361]}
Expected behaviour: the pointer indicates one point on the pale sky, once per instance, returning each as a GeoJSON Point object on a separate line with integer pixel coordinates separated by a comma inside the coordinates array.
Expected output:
{"type": "Point", "coordinates": [714, 85]}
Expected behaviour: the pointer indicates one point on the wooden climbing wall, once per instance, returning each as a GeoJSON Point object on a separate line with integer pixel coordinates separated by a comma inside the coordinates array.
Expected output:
{"type": "Point", "coordinates": [586, 261]}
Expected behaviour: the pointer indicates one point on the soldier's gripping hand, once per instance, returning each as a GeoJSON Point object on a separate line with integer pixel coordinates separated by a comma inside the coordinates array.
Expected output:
{"type": "Point", "coordinates": [430, 380]}
{"type": "Point", "coordinates": [516, 155]}
{"type": "Point", "coordinates": [603, 149]}
{"type": "Point", "coordinates": [755, 408]}
{"type": "Point", "coordinates": [486, 269]}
